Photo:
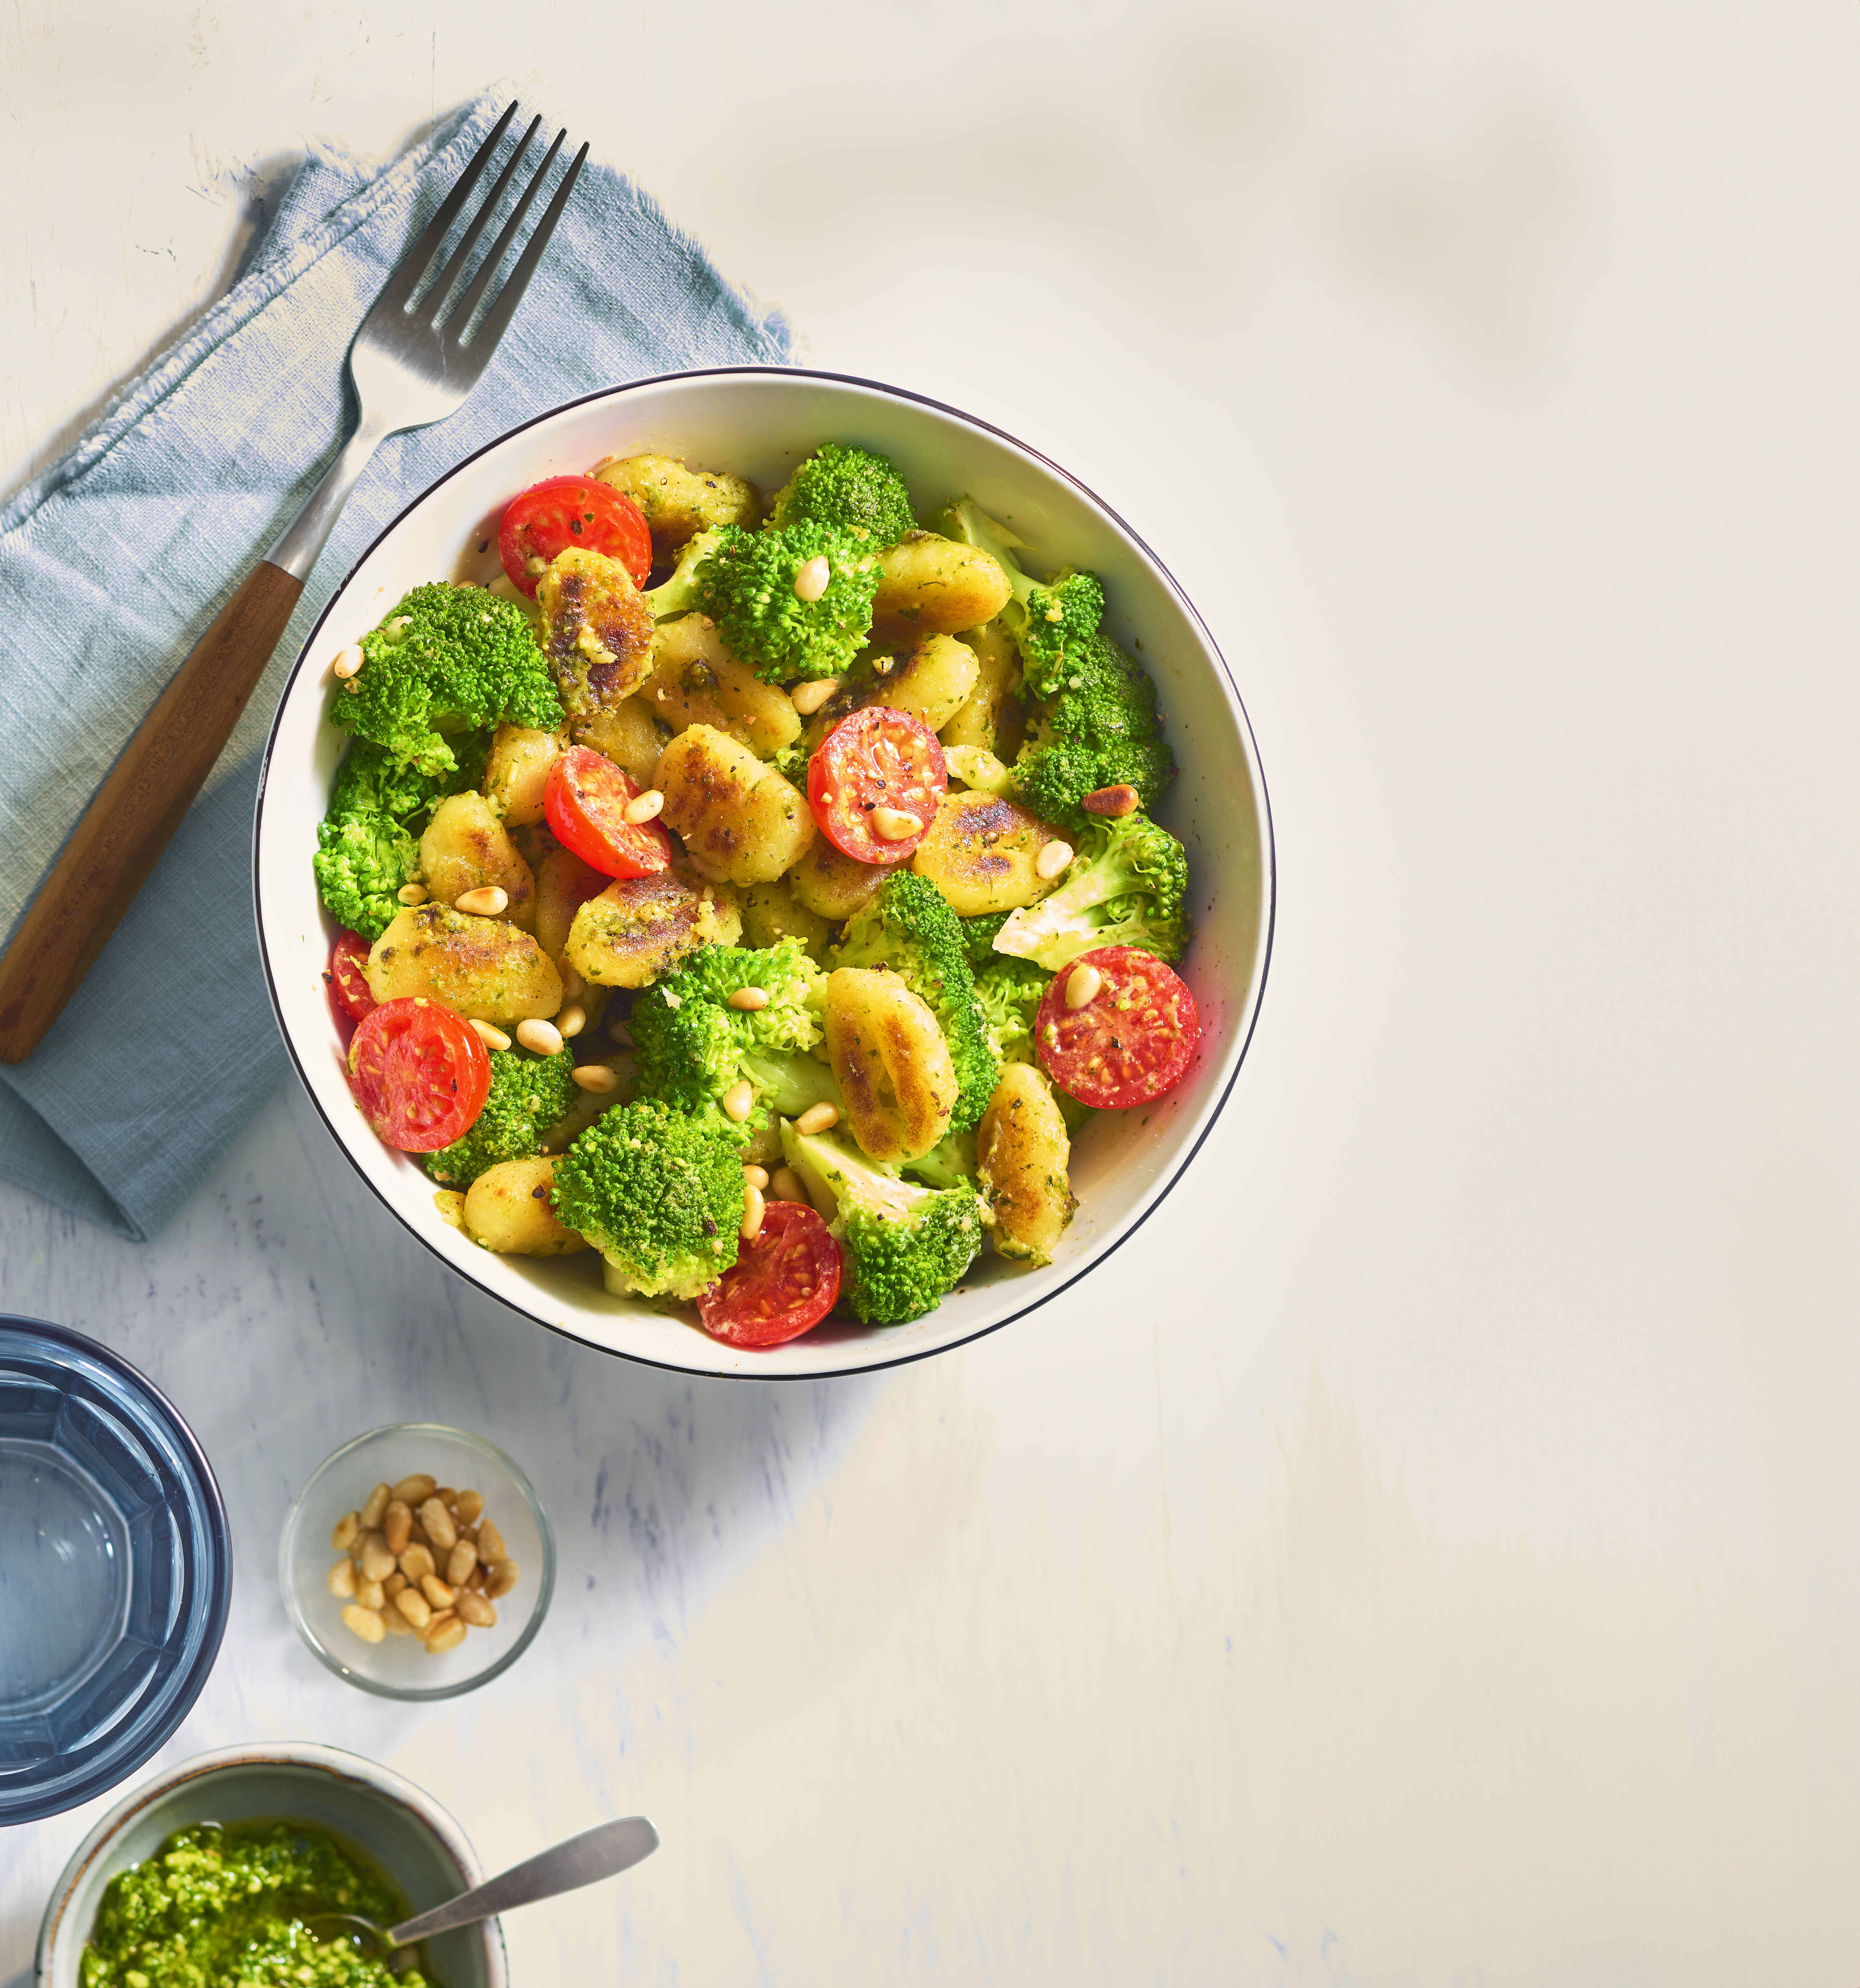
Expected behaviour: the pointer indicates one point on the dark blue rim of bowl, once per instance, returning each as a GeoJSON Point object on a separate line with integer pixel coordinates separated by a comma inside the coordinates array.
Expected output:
{"type": "Point", "coordinates": [69, 1779]}
{"type": "Point", "coordinates": [1271, 879]}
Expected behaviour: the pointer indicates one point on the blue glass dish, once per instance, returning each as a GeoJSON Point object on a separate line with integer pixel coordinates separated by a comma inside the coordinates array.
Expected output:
{"type": "Point", "coordinates": [115, 1569]}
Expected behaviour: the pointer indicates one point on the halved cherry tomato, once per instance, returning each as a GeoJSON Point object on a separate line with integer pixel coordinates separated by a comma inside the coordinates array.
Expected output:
{"type": "Point", "coordinates": [876, 757]}
{"type": "Point", "coordinates": [564, 511]}
{"type": "Point", "coordinates": [782, 1284]}
{"type": "Point", "coordinates": [347, 980]}
{"type": "Point", "coordinates": [1133, 1040]}
{"type": "Point", "coordinates": [419, 1073]}
{"type": "Point", "coordinates": [586, 802]}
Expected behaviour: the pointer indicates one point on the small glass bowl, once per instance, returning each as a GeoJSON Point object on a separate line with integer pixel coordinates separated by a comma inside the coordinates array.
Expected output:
{"type": "Point", "coordinates": [399, 1666]}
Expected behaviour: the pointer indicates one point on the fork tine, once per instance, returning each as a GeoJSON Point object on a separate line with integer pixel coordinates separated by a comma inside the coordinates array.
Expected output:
{"type": "Point", "coordinates": [476, 229]}
{"type": "Point", "coordinates": [497, 319]}
{"type": "Point", "coordinates": [411, 266]}
{"type": "Point", "coordinates": [461, 317]}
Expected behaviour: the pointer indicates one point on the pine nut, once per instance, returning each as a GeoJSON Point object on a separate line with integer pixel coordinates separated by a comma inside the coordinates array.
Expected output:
{"type": "Point", "coordinates": [503, 1576]}
{"type": "Point", "coordinates": [749, 999]}
{"type": "Point", "coordinates": [371, 1513]}
{"type": "Point", "coordinates": [891, 824]}
{"type": "Point", "coordinates": [752, 1211]}
{"type": "Point", "coordinates": [620, 1033]}
{"type": "Point", "coordinates": [644, 807]}
{"type": "Point", "coordinates": [488, 900]}
{"type": "Point", "coordinates": [812, 581]}
{"type": "Point", "coordinates": [437, 1592]}
{"type": "Point", "coordinates": [471, 1506]}
{"type": "Point", "coordinates": [808, 698]}
{"type": "Point", "coordinates": [491, 1543]}
{"type": "Point", "coordinates": [415, 1606]}
{"type": "Point", "coordinates": [370, 1593]}
{"type": "Point", "coordinates": [755, 1176]}
{"type": "Point", "coordinates": [474, 1609]}
{"type": "Point", "coordinates": [1082, 986]}
{"type": "Point", "coordinates": [1114, 803]}
{"type": "Point", "coordinates": [739, 1101]}
{"type": "Point", "coordinates": [395, 1623]}
{"type": "Point", "coordinates": [573, 986]}
{"type": "Point", "coordinates": [459, 1563]}
{"type": "Point", "coordinates": [411, 894]}
{"type": "Point", "coordinates": [439, 1523]}
{"type": "Point", "coordinates": [415, 1490]}
{"type": "Point", "coordinates": [346, 1527]}
{"type": "Point", "coordinates": [418, 1562]}
{"type": "Point", "coordinates": [393, 1584]}
{"type": "Point", "coordinates": [492, 1037]}
{"type": "Point", "coordinates": [396, 1527]}
{"type": "Point", "coordinates": [542, 1037]}
{"type": "Point", "coordinates": [595, 1078]}
{"type": "Point", "coordinates": [817, 1118]}
{"type": "Point", "coordinates": [348, 662]}
{"type": "Point", "coordinates": [340, 1579]}
{"type": "Point", "coordinates": [377, 1561]}
{"type": "Point", "coordinates": [533, 566]}
{"type": "Point", "coordinates": [441, 1637]}
{"type": "Point", "coordinates": [1052, 860]}
{"type": "Point", "coordinates": [365, 1622]}
{"type": "Point", "coordinates": [787, 1186]}
{"type": "Point", "coordinates": [571, 1020]}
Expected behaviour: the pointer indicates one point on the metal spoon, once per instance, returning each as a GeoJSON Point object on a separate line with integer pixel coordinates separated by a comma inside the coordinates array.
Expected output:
{"type": "Point", "coordinates": [604, 1852]}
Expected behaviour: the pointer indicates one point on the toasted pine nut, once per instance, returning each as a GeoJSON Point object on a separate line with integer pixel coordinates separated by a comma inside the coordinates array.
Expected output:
{"type": "Point", "coordinates": [1052, 860]}
{"type": "Point", "coordinates": [459, 1563]}
{"type": "Point", "coordinates": [488, 900]}
{"type": "Point", "coordinates": [891, 824]}
{"type": "Point", "coordinates": [417, 1537]}
{"type": "Point", "coordinates": [1082, 986]}
{"type": "Point", "coordinates": [595, 1077]}
{"type": "Point", "coordinates": [395, 1623]}
{"type": "Point", "coordinates": [411, 894]}
{"type": "Point", "coordinates": [491, 1543]}
{"type": "Point", "coordinates": [413, 1491]}
{"type": "Point", "coordinates": [755, 1176]}
{"type": "Point", "coordinates": [370, 1593]}
{"type": "Point", "coordinates": [470, 1506]}
{"type": "Point", "coordinates": [749, 999]}
{"type": "Point", "coordinates": [813, 579]}
{"type": "Point", "coordinates": [752, 1211]}
{"type": "Point", "coordinates": [573, 986]}
{"type": "Point", "coordinates": [817, 1118]}
{"type": "Point", "coordinates": [377, 1561]}
{"type": "Point", "coordinates": [474, 1609]}
{"type": "Point", "coordinates": [808, 698]}
{"type": "Point", "coordinates": [644, 807]}
{"type": "Point", "coordinates": [571, 1020]}
{"type": "Point", "coordinates": [418, 1562]}
{"type": "Point", "coordinates": [533, 566]}
{"type": "Point", "coordinates": [544, 1038]}
{"type": "Point", "coordinates": [439, 1523]}
{"type": "Point", "coordinates": [393, 1584]}
{"type": "Point", "coordinates": [397, 1526]}
{"type": "Point", "coordinates": [348, 661]}
{"type": "Point", "coordinates": [492, 1037]}
{"type": "Point", "coordinates": [739, 1101]}
{"type": "Point", "coordinates": [366, 1622]}
{"type": "Point", "coordinates": [787, 1186]}
{"type": "Point", "coordinates": [371, 1513]}
{"type": "Point", "coordinates": [441, 1637]}
{"type": "Point", "coordinates": [340, 1579]}
{"type": "Point", "coordinates": [346, 1527]}
{"type": "Point", "coordinates": [437, 1591]}
{"type": "Point", "coordinates": [620, 1033]}
{"type": "Point", "coordinates": [447, 1496]}
{"type": "Point", "coordinates": [415, 1606]}
{"type": "Point", "coordinates": [1114, 802]}
{"type": "Point", "coordinates": [476, 1578]}
{"type": "Point", "coordinates": [502, 1577]}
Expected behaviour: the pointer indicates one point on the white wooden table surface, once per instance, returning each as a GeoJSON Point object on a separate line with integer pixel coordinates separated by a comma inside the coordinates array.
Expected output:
{"type": "Point", "coordinates": [1427, 1554]}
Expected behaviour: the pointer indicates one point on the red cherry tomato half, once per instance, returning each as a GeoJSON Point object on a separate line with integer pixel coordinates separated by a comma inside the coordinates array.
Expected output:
{"type": "Point", "coordinates": [1133, 1040]}
{"type": "Point", "coordinates": [876, 757]}
{"type": "Point", "coordinates": [782, 1284]}
{"type": "Point", "coordinates": [347, 981]}
{"type": "Point", "coordinates": [586, 803]}
{"type": "Point", "coordinates": [564, 511]}
{"type": "Point", "coordinates": [420, 1074]}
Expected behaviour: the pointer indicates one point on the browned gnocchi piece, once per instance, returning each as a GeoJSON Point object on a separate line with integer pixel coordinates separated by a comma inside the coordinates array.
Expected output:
{"type": "Point", "coordinates": [564, 884]}
{"type": "Point", "coordinates": [466, 847]}
{"type": "Point", "coordinates": [980, 852]}
{"type": "Point", "coordinates": [696, 681]}
{"type": "Point", "coordinates": [483, 967]}
{"type": "Point", "coordinates": [894, 1068]}
{"type": "Point", "coordinates": [516, 772]}
{"type": "Point", "coordinates": [930, 586]}
{"type": "Point", "coordinates": [770, 914]}
{"type": "Point", "coordinates": [638, 927]}
{"type": "Point", "coordinates": [831, 884]}
{"type": "Point", "coordinates": [677, 503]}
{"type": "Point", "coordinates": [627, 734]}
{"type": "Point", "coordinates": [741, 820]}
{"type": "Point", "coordinates": [508, 1209]}
{"type": "Point", "coordinates": [596, 631]}
{"type": "Point", "coordinates": [932, 680]}
{"type": "Point", "coordinates": [1024, 1155]}
{"type": "Point", "coordinates": [994, 718]}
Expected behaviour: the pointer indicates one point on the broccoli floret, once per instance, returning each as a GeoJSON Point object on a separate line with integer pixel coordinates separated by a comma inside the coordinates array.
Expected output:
{"type": "Point", "coordinates": [692, 1046]}
{"type": "Point", "coordinates": [746, 584]}
{"type": "Point", "coordinates": [849, 491]}
{"type": "Point", "coordinates": [528, 1093]}
{"type": "Point", "coordinates": [1010, 991]}
{"type": "Point", "coordinates": [368, 846]}
{"type": "Point", "coordinates": [448, 659]}
{"type": "Point", "coordinates": [978, 936]}
{"type": "Point", "coordinates": [1098, 728]}
{"type": "Point", "coordinates": [904, 1245]}
{"type": "Point", "coordinates": [676, 594]}
{"type": "Point", "coordinates": [1127, 886]}
{"type": "Point", "coordinates": [909, 927]}
{"type": "Point", "coordinates": [658, 1193]}
{"type": "Point", "coordinates": [952, 1161]}
{"type": "Point", "coordinates": [1048, 622]}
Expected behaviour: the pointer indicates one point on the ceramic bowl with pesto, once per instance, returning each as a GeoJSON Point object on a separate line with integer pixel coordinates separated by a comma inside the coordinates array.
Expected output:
{"type": "Point", "coordinates": [395, 1832]}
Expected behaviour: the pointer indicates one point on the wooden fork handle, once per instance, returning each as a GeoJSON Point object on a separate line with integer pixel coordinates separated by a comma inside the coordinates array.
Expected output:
{"type": "Point", "coordinates": [138, 810]}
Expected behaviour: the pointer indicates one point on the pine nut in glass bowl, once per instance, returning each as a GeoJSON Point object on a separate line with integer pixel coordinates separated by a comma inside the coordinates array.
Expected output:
{"type": "Point", "coordinates": [758, 423]}
{"type": "Point", "coordinates": [313, 1552]}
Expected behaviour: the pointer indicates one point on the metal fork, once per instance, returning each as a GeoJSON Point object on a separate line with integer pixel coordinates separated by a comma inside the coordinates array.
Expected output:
{"type": "Point", "coordinates": [413, 361]}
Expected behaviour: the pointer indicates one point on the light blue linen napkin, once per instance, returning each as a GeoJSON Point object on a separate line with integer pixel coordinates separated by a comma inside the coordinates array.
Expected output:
{"type": "Point", "coordinates": [113, 563]}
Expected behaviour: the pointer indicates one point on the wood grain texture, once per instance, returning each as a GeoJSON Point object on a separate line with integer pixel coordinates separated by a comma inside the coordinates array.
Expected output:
{"type": "Point", "coordinates": [138, 808]}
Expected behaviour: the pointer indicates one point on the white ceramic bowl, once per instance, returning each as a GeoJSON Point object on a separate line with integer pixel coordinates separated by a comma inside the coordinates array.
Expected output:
{"type": "Point", "coordinates": [759, 422]}
{"type": "Point", "coordinates": [406, 1833]}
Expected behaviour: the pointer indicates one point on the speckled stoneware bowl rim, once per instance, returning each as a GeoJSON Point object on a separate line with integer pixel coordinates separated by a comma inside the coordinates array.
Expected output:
{"type": "Point", "coordinates": [870, 1352]}
{"type": "Point", "coordinates": [55, 1934]}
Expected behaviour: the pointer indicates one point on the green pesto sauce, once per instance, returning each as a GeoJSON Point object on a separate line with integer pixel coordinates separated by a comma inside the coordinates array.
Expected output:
{"type": "Point", "coordinates": [224, 1906]}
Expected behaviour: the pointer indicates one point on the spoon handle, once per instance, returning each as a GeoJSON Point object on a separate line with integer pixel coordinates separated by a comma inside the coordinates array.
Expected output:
{"type": "Point", "coordinates": [604, 1852]}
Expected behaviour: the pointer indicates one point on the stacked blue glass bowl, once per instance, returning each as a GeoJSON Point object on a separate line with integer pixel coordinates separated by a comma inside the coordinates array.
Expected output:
{"type": "Point", "coordinates": [115, 1569]}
